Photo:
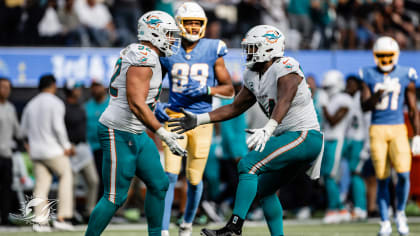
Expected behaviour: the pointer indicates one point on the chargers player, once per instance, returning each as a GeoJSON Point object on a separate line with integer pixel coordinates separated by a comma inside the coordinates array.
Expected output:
{"type": "Point", "coordinates": [385, 89]}
{"type": "Point", "coordinates": [196, 73]}
{"type": "Point", "coordinates": [337, 114]}
{"type": "Point", "coordinates": [285, 146]}
{"type": "Point", "coordinates": [127, 150]}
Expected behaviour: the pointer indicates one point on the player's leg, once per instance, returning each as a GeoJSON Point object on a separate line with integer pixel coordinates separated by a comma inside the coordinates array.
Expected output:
{"type": "Point", "coordinates": [330, 161]}
{"type": "Point", "coordinates": [149, 169]}
{"type": "Point", "coordinates": [400, 156]}
{"type": "Point", "coordinates": [172, 168]}
{"type": "Point", "coordinates": [357, 183]}
{"type": "Point", "coordinates": [199, 142]}
{"type": "Point", "coordinates": [280, 151]}
{"type": "Point", "coordinates": [117, 171]}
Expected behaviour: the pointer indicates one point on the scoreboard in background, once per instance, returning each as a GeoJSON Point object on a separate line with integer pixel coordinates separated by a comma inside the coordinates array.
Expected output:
{"type": "Point", "coordinates": [24, 66]}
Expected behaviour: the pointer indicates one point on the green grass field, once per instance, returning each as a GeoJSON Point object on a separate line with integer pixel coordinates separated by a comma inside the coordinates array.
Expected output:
{"type": "Point", "coordinates": [292, 228]}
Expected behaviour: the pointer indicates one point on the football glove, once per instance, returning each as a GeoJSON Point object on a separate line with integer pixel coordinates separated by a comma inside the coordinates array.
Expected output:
{"type": "Point", "coordinates": [415, 145]}
{"type": "Point", "coordinates": [160, 112]}
{"type": "Point", "coordinates": [259, 137]}
{"type": "Point", "coordinates": [171, 140]}
{"type": "Point", "coordinates": [188, 122]}
{"type": "Point", "coordinates": [196, 91]}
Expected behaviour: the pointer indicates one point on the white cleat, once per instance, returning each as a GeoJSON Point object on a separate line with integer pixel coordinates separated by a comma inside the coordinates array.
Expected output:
{"type": "Point", "coordinates": [344, 216]}
{"type": "Point", "coordinates": [185, 229]}
{"type": "Point", "coordinates": [331, 217]}
{"type": "Point", "coordinates": [164, 233]}
{"type": "Point", "coordinates": [63, 226]}
{"type": "Point", "coordinates": [385, 229]}
{"type": "Point", "coordinates": [41, 228]}
{"type": "Point", "coordinates": [401, 222]}
{"type": "Point", "coordinates": [210, 209]}
{"type": "Point", "coordinates": [359, 214]}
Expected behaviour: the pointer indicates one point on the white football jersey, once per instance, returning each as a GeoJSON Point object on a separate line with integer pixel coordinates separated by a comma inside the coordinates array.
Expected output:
{"type": "Point", "coordinates": [357, 126]}
{"type": "Point", "coordinates": [118, 114]}
{"type": "Point", "coordinates": [338, 131]}
{"type": "Point", "coordinates": [301, 114]}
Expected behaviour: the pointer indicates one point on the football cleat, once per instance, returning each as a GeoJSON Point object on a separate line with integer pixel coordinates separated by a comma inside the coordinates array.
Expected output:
{"type": "Point", "coordinates": [385, 229]}
{"type": "Point", "coordinates": [331, 217]}
{"type": "Point", "coordinates": [185, 229]}
{"type": "Point", "coordinates": [232, 228]}
{"type": "Point", "coordinates": [401, 222]}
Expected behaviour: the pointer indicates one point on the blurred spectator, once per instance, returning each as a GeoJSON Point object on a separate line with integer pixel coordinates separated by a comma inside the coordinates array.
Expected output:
{"type": "Point", "coordinates": [49, 28]}
{"type": "Point", "coordinates": [76, 33]}
{"type": "Point", "coordinates": [34, 12]}
{"type": "Point", "coordinates": [126, 15]}
{"type": "Point", "coordinates": [10, 14]}
{"type": "Point", "coordinates": [249, 15]}
{"type": "Point", "coordinates": [323, 15]}
{"type": "Point", "coordinates": [347, 23]}
{"type": "Point", "coordinates": [94, 109]}
{"type": "Point", "coordinates": [82, 162]}
{"type": "Point", "coordinates": [9, 129]}
{"type": "Point", "coordinates": [299, 13]}
{"type": "Point", "coordinates": [49, 149]}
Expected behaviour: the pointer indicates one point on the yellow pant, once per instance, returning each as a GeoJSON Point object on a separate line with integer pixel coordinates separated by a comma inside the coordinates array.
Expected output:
{"type": "Point", "coordinates": [389, 146]}
{"type": "Point", "coordinates": [197, 143]}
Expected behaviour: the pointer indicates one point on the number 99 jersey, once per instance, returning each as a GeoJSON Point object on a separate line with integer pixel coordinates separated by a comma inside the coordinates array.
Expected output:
{"type": "Point", "coordinates": [389, 110]}
{"type": "Point", "coordinates": [194, 68]}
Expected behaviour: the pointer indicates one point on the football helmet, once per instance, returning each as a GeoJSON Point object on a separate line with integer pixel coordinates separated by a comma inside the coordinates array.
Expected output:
{"type": "Point", "coordinates": [333, 82]}
{"type": "Point", "coordinates": [386, 52]}
{"type": "Point", "coordinates": [261, 44]}
{"type": "Point", "coordinates": [159, 28]}
{"type": "Point", "coordinates": [191, 11]}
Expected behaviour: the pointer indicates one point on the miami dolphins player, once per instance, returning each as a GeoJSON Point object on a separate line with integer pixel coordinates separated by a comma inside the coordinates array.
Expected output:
{"type": "Point", "coordinates": [337, 114]}
{"type": "Point", "coordinates": [127, 150]}
{"type": "Point", "coordinates": [289, 142]}
{"type": "Point", "coordinates": [196, 73]}
{"type": "Point", "coordinates": [386, 87]}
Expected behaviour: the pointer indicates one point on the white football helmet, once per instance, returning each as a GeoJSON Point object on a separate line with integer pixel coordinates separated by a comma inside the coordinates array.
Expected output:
{"type": "Point", "coordinates": [261, 44]}
{"type": "Point", "coordinates": [333, 82]}
{"type": "Point", "coordinates": [191, 11]}
{"type": "Point", "coordinates": [386, 52]}
{"type": "Point", "coordinates": [159, 28]}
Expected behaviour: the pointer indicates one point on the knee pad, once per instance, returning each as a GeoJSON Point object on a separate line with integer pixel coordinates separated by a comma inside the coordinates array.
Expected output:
{"type": "Point", "coordinates": [194, 177]}
{"type": "Point", "coordinates": [243, 167]}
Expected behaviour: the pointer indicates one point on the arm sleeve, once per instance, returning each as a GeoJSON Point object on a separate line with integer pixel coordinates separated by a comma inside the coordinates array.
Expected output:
{"type": "Point", "coordinates": [59, 126]}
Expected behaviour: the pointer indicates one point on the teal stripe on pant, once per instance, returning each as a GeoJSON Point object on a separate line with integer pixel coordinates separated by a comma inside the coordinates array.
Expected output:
{"type": "Point", "coordinates": [126, 155]}
{"type": "Point", "coordinates": [327, 167]}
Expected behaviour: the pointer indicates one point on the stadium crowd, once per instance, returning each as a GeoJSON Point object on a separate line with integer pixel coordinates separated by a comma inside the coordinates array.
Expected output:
{"type": "Point", "coordinates": [309, 24]}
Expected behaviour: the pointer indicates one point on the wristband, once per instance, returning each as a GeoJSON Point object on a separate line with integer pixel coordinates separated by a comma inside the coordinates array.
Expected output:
{"type": "Point", "coordinates": [208, 90]}
{"type": "Point", "coordinates": [203, 119]}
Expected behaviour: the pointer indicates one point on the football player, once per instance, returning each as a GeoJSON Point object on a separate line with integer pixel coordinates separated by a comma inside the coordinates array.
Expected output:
{"type": "Point", "coordinates": [386, 87]}
{"type": "Point", "coordinates": [337, 114]}
{"type": "Point", "coordinates": [127, 149]}
{"type": "Point", "coordinates": [289, 142]}
{"type": "Point", "coordinates": [196, 73]}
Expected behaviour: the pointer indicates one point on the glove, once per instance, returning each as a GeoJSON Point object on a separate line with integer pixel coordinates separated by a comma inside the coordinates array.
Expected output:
{"type": "Point", "coordinates": [188, 122]}
{"type": "Point", "coordinates": [260, 136]}
{"type": "Point", "coordinates": [160, 112]}
{"type": "Point", "coordinates": [415, 145]}
{"type": "Point", "coordinates": [170, 139]}
{"type": "Point", "coordinates": [196, 91]}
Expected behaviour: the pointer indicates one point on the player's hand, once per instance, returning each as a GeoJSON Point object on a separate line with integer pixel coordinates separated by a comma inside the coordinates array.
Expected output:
{"type": "Point", "coordinates": [183, 124]}
{"type": "Point", "coordinates": [415, 145]}
{"type": "Point", "coordinates": [171, 140]}
{"type": "Point", "coordinates": [259, 137]}
{"type": "Point", "coordinates": [160, 112]}
{"type": "Point", "coordinates": [196, 91]}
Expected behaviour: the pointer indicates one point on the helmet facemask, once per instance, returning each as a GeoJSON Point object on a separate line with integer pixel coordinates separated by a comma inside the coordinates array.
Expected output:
{"type": "Point", "coordinates": [386, 60]}
{"type": "Point", "coordinates": [187, 27]}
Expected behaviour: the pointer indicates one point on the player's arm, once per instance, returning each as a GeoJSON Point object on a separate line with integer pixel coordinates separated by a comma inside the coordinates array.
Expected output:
{"type": "Point", "coordinates": [137, 88]}
{"type": "Point", "coordinates": [369, 101]}
{"type": "Point", "coordinates": [138, 82]}
{"type": "Point", "coordinates": [334, 119]}
{"type": "Point", "coordinates": [413, 114]}
{"type": "Point", "coordinates": [244, 100]}
{"type": "Point", "coordinates": [224, 88]}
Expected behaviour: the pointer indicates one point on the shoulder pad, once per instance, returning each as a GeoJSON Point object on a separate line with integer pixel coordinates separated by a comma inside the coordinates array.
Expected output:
{"type": "Point", "coordinates": [221, 49]}
{"type": "Point", "coordinates": [287, 65]}
{"type": "Point", "coordinates": [412, 73]}
{"type": "Point", "coordinates": [139, 55]}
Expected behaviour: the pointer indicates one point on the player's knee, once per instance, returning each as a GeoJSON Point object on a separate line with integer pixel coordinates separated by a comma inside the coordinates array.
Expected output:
{"type": "Point", "coordinates": [194, 176]}
{"type": "Point", "coordinates": [243, 167]}
{"type": "Point", "coordinates": [159, 188]}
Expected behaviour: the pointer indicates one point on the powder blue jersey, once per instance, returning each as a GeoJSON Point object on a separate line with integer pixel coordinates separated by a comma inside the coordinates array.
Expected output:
{"type": "Point", "coordinates": [194, 68]}
{"type": "Point", "coordinates": [390, 109]}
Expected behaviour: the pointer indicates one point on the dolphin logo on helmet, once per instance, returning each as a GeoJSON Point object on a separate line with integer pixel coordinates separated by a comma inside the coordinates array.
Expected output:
{"type": "Point", "coordinates": [272, 36]}
{"type": "Point", "coordinates": [152, 21]}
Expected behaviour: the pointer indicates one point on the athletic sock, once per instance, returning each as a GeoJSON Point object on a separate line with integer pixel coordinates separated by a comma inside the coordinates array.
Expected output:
{"type": "Point", "coordinates": [193, 200]}
{"type": "Point", "coordinates": [383, 198]}
{"type": "Point", "coordinates": [359, 192]}
{"type": "Point", "coordinates": [100, 217]}
{"type": "Point", "coordinates": [169, 198]}
{"type": "Point", "coordinates": [402, 190]}
{"type": "Point", "coordinates": [245, 194]}
{"type": "Point", "coordinates": [273, 213]}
